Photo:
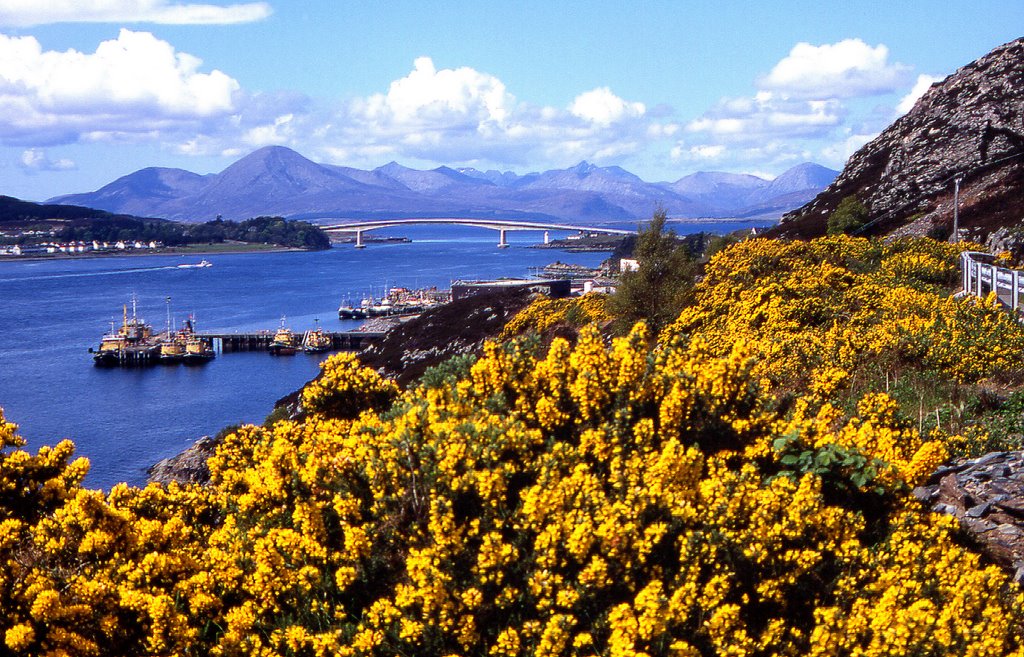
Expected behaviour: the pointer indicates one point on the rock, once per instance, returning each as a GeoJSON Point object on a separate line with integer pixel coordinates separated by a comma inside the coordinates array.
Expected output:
{"type": "Point", "coordinates": [188, 467]}
{"type": "Point", "coordinates": [969, 126]}
{"type": "Point", "coordinates": [987, 495]}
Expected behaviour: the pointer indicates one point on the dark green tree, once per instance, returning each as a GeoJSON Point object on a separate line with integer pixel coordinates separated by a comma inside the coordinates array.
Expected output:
{"type": "Point", "coordinates": [848, 216]}
{"type": "Point", "coordinates": [663, 283]}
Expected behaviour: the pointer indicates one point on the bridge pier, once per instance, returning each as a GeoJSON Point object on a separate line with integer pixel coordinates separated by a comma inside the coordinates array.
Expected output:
{"type": "Point", "coordinates": [502, 243]}
{"type": "Point", "coordinates": [359, 240]}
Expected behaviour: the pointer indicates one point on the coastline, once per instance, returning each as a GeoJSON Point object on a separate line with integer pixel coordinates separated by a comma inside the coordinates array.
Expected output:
{"type": "Point", "coordinates": [204, 249]}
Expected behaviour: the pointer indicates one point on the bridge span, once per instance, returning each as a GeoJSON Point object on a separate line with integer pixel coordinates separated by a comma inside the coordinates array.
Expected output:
{"type": "Point", "coordinates": [500, 225]}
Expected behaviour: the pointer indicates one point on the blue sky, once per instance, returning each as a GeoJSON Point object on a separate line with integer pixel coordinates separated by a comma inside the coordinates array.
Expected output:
{"type": "Point", "coordinates": [94, 89]}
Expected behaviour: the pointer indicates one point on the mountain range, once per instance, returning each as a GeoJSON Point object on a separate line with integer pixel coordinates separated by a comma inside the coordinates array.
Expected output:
{"type": "Point", "coordinates": [275, 180]}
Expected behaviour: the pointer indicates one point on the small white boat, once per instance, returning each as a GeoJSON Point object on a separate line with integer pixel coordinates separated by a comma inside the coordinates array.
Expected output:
{"type": "Point", "coordinates": [203, 263]}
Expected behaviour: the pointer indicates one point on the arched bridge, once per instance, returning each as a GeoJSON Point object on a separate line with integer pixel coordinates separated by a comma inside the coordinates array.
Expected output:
{"type": "Point", "coordinates": [500, 225]}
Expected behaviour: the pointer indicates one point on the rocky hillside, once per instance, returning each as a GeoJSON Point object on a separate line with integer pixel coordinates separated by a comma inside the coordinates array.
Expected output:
{"type": "Point", "coordinates": [969, 126]}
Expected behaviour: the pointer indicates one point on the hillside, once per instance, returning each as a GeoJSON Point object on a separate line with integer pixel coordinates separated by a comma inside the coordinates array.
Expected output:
{"type": "Point", "coordinates": [739, 485]}
{"type": "Point", "coordinates": [30, 223]}
{"type": "Point", "coordinates": [15, 212]}
{"type": "Point", "coordinates": [277, 180]}
{"type": "Point", "coordinates": [969, 126]}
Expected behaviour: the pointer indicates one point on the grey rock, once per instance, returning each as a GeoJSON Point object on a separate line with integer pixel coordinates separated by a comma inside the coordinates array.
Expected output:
{"type": "Point", "coordinates": [987, 495]}
{"type": "Point", "coordinates": [188, 467]}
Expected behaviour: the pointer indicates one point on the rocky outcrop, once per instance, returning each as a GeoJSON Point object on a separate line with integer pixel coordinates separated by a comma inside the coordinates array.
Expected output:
{"type": "Point", "coordinates": [969, 126]}
{"type": "Point", "coordinates": [987, 495]}
{"type": "Point", "coordinates": [188, 467]}
{"type": "Point", "coordinates": [459, 327]}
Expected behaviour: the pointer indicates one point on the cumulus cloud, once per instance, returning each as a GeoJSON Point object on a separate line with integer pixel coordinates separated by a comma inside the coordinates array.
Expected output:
{"type": "Point", "coordinates": [602, 107]}
{"type": "Point", "coordinates": [766, 116]}
{"type": "Point", "coordinates": [135, 85]}
{"type": "Point", "coordinates": [429, 96]}
{"type": "Point", "coordinates": [465, 115]}
{"type": "Point", "coordinates": [36, 159]}
{"type": "Point", "coordinates": [800, 110]}
{"type": "Point", "coordinates": [924, 82]}
{"type": "Point", "coordinates": [847, 69]}
{"type": "Point", "coordinates": [23, 13]}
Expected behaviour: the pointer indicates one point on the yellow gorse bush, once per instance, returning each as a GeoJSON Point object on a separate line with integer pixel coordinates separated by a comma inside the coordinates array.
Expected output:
{"type": "Point", "coordinates": [839, 303]}
{"type": "Point", "coordinates": [606, 498]}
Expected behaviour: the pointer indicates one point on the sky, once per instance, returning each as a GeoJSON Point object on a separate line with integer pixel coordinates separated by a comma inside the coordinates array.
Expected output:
{"type": "Point", "coordinates": [91, 90]}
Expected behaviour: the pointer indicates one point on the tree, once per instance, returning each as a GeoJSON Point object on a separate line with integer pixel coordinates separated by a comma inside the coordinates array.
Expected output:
{"type": "Point", "coordinates": [661, 286]}
{"type": "Point", "coordinates": [848, 216]}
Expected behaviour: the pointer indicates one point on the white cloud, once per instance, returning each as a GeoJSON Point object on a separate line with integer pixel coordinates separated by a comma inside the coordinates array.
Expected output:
{"type": "Point", "coordinates": [428, 96]}
{"type": "Point", "coordinates": [704, 152]}
{"type": "Point", "coordinates": [464, 115]}
{"type": "Point", "coordinates": [136, 85]}
{"type": "Point", "coordinates": [23, 13]}
{"type": "Point", "coordinates": [766, 116]}
{"type": "Point", "coordinates": [602, 107]}
{"type": "Point", "coordinates": [800, 110]}
{"type": "Point", "coordinates": [924, 82]}
{"type": "Point", "coordinates": [847, 69]}
{"type": "Point", "coordinates": [36, 159]}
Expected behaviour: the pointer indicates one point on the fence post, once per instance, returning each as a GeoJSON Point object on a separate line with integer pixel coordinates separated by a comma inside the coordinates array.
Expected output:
{"type": "Point", "coordinates": [1015, 291]}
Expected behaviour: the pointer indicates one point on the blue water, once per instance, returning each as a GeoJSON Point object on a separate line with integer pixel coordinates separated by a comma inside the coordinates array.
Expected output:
{"type": "Point", "coordinates": [124, 420]}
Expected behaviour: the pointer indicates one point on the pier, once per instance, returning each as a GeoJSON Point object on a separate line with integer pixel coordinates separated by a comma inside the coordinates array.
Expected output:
{"type": "Point", "coordinates": [260, 341]}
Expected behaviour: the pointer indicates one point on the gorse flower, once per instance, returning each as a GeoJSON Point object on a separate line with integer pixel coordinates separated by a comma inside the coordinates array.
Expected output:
{"type": "Point", "coordinates": [602, 498]}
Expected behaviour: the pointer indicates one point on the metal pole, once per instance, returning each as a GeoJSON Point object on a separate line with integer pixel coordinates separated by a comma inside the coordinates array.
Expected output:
{"type": "Point", "coordinates": [956, 210]}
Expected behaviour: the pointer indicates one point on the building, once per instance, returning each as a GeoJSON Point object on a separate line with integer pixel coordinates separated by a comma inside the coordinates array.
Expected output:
{"type": "Point", "coordinates": [628, 264]}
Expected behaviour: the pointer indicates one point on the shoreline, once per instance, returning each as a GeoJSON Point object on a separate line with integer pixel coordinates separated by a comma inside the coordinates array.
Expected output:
{"type": "Point", "coordinates": [168, 251]}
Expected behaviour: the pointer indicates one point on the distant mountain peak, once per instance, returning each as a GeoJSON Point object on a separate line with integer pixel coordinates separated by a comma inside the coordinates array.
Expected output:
{"type": "Point", "coordinates": [584, 168]}
{"type": "Point", "coordinates": [276, 180]}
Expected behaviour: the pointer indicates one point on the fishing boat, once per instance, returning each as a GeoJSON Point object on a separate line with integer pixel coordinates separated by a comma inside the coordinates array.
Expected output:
{"type": "Point", "coordinates": [172, 346]}
{"type": "Point", "coordinates": [198, 351]}
{"type": "Point", "coordinates": [397, 301]}
{"type": "Point", "coordinates": [316, 341]}
{"type": "Point", "coordinates": [283, 343]}
{"type": "Point", "coordinates": [172, 350]}
{"type": "Point", "coordinates": [131, 344]}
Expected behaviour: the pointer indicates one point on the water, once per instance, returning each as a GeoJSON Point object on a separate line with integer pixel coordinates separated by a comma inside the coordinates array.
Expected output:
{"type": "Point", "coordinates": [124, 420]}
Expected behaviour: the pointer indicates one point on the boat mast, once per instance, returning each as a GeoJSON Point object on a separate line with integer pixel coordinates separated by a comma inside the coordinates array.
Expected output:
{"type": "Point", "coordinates": [168, 317]}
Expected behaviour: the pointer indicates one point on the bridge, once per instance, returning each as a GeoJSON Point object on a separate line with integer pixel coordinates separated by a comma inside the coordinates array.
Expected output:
{"type": "Point", "coordinates": [500, 225]}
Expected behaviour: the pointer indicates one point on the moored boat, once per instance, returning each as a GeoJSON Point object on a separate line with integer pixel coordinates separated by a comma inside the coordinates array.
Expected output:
{"type": "Point", "coordinates": [132, 344]}
{"type": "Point", "coordinates": [198, 351]}
{"type": "Point", "coordinates": [397, 301]}
{"type": "Point", "coordinates": [283, 343]}
{"type": "Point", "coordinates": [316, 341]}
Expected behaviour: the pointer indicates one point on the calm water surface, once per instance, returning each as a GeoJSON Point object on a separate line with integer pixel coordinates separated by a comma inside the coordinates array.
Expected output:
{"type": "Point", "coordinates": [124, 420]}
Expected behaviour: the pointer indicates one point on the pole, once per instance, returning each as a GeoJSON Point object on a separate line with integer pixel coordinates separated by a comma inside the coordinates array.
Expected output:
{"type": "Point", "coordinates": [956, 210]}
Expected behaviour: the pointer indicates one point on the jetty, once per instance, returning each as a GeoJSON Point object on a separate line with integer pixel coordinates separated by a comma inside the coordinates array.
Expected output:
{"type": "Point", "coordinates": [260, 340]}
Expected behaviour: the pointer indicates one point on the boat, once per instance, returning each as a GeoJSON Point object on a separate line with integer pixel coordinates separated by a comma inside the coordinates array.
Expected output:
{"type": "Point", "coordinates": [283, 343]}
{"type": "Point", "coordinates": [316, 341]}
{"type": "Point", "coordinates": [172, 346]}
{"type": "Point", "coordinates": [198, 350]}
{"type": "Point", "coordinates": [132, 343]}
{"type": "Point", "coordinates": [397, 301]}
{"type": "Point", "coordinates": [172, 349]}
{"type": "Point", "coordinates": [201, 263]}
